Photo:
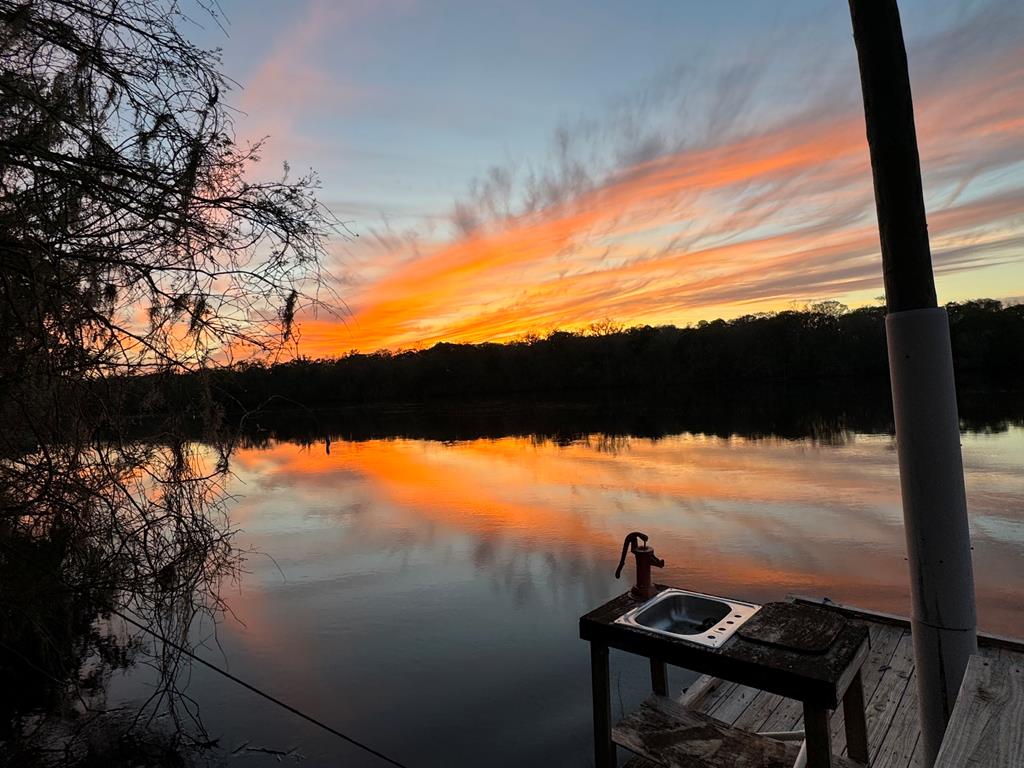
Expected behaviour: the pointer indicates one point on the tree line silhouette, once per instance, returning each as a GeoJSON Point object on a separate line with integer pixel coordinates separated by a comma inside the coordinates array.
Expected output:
{"type": "Point", "coordinates": [826, 341]}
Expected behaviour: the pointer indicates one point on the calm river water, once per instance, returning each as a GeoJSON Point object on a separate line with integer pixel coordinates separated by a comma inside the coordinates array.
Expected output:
{"type": "Point", "coordinates": [423, 596]}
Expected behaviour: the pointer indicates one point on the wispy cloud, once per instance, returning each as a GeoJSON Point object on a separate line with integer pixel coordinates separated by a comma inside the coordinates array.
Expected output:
{"type": "Point", "coordinates": [289, 88]}
{"type": "Point", "coordinates": [647, 216]}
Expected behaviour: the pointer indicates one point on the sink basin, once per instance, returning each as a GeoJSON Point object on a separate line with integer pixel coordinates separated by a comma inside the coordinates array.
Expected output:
{"type": "Point", "coordinates": [702, 619]}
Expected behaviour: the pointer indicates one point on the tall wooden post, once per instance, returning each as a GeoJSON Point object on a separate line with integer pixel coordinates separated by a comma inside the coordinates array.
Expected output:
{"type": "Point", "coordinates": [921, 370]}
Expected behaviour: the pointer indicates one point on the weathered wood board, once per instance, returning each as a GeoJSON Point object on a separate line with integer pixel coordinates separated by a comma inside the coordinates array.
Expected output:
{"type": "Point", "coordinates": [987, 724]}
{"type": "Point", "coordinates": [672, 735]}
{"type": "Point", "coordinates": [668, 734]}
{"type": "Point", "coordinates": [889, 691]}
{"type": "Point", "coordinates": [793, 627]}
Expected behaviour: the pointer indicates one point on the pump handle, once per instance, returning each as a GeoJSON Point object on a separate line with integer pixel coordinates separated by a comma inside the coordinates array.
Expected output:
{"type": "Point", "coordinates": [628, 544]}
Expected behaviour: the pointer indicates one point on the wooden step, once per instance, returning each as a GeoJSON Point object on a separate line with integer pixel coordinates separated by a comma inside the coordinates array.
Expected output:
{"type": "Point", "coordinates": [669, 734]}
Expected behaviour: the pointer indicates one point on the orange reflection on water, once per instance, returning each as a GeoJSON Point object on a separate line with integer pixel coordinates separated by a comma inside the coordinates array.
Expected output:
{"type": "Point", "coordinates": [756, 519]}
{"type": "Point", "coordinates": [706, 500]}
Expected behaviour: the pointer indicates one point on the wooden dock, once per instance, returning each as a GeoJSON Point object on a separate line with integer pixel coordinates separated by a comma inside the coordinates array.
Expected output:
{"type": "Point", "coordinates": [890, 693]}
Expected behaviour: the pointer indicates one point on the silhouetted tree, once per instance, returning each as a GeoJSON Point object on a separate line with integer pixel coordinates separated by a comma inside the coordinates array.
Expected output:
{"type": "Point", "coordinates": [131, 242]}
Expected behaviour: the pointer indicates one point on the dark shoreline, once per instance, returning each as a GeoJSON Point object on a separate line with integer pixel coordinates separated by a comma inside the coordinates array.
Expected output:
{"type": "Point", "coordinates": [825, 413]}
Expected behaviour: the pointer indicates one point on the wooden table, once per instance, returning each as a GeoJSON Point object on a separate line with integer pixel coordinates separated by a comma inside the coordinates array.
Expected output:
{"type": "Point", "coordinates": [819, 681]}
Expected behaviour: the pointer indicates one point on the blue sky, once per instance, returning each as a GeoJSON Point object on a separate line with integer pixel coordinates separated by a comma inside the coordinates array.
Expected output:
{"type": "Point", "coordinates": [447, 130]}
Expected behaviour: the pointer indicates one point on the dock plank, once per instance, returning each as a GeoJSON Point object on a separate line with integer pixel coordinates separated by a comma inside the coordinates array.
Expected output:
{"type": "Point", "coordinates": [679, 737]}
{"type": "Point", "coordinates": [729, 709]}
{"type": "Point", "coordinates": [787, 716]}
{"type": "Point", "coordinates": [890, 692]}
{"type": "Point", "coordinates": [665, 733]}
{"type": "Point", "coordinates": [884, 641]}
{"type": "Point", "coordinates": [900, 740]}
{"type": "Point", "coordinates": [985, 727]}
{"type": "Point", "coordinates": [885, 702]}
{"type": "Point", "coordinates": [717, 695]}
{"type": "Point", "coordinates": [886, 674]}
{"type": "Point", "coordinates": [917, 759]}
{"type": "Point", "coordinates": [760, 709]}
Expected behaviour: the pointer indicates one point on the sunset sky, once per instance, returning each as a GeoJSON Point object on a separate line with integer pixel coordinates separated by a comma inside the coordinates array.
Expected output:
{"type": "Point", "coordinates": [520, 167]}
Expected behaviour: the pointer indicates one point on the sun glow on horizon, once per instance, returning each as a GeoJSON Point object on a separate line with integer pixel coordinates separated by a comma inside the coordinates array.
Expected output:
{"type": "Point", "coordinates": [771, 206]}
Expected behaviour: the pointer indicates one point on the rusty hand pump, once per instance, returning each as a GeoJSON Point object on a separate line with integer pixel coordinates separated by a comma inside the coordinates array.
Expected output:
{"type": "Point", "coordinates": [643, 589]}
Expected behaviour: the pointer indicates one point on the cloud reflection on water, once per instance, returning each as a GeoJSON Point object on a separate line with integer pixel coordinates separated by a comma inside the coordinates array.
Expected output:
{"type": "Point", "coordinates": [755, 519]}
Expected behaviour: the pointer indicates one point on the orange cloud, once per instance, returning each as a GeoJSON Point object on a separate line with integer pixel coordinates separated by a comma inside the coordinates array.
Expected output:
{"type": "Point", "coordinates": [754, 222]}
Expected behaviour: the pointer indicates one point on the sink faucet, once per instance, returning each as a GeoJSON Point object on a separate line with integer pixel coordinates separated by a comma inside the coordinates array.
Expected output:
{"type": "Point", "coordinates": [645, 558]}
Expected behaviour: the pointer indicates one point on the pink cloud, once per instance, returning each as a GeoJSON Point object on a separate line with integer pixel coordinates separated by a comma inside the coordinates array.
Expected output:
{"type": "Point", "coordinates": [289, 88]}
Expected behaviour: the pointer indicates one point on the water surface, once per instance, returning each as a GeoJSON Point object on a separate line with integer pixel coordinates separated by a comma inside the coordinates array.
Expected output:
{"type": "Point", "coordinates": [423, 595]}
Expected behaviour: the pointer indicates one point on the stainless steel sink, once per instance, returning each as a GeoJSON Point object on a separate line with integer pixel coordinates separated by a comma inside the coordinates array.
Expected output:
{"type": "Point", "coordinates": [702, 619]}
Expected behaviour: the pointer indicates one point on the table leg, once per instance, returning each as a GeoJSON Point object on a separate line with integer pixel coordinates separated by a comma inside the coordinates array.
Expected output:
{"type": "Point", "coordinates": [818, 736]}
{"type": "Point", "coordinates": [604, 750]}
{"type": "Point", "coordinates": [659, 677]}
{"type": "Point", "coordinates": [856, 725]}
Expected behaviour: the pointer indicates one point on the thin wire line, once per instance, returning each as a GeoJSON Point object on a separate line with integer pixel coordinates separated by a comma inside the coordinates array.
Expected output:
{"type": "Point", "coordinates": [257, 691]}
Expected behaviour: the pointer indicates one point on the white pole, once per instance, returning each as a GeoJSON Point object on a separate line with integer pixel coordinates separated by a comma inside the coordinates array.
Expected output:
{"type": "Point", "coordinates": [944, 623]}
{"type": "Point", "coordinates": [921, 370]}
